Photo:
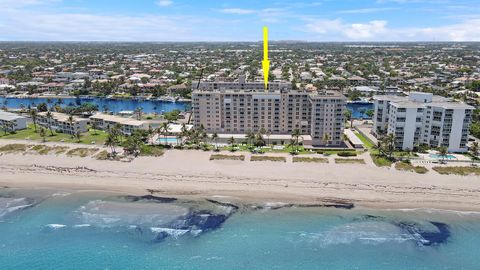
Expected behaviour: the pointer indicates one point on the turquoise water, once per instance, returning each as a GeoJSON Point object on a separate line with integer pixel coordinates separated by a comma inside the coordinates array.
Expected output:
{"type": "Point", "coordinates": [167, 140]}
{"type": "Point", "coordinates": [57, 230]}
{"type": "Point", "coordinates": [113, 105]}
{"type": "Point", "coordinates": [440, 156]}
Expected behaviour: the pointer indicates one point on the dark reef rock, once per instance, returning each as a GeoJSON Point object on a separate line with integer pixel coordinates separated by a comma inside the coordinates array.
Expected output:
{"type": "Point", "coordinates": [195, 222]}
{"type": "Point", "coordinates": [225, 204]}
{"type": "Point", "coordinates": [151, 198]}
{"type": "Point", "coordinates": [424, 237]}
{"type": "Point", "coordinates": [201, 220]}
{"type": "Point", "coordinates": [369, 218]}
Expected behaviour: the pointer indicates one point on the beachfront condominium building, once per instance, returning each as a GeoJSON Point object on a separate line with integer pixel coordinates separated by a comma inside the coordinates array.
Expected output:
{"type": "Point", "coordinates": [62, 123]}
{"type": "Point", "coordinates": [422, 118]}
{"type": "Point", "coordinates": [241, 84]}
{"type": "Point", "coordinates": [127, 125]}
{"type": "Point", "coordinates": [11, 122]}
{"type": "Point", "coordinates": [238, 111]}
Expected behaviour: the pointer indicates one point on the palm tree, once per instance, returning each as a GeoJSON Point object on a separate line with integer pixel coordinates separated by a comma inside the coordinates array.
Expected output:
{"type": "Point", "coordinates": [78, 135]}
{"type": "Point", "coordinates": [43, 134]}
{"type": "Point", "coordinates": [5, 127]}
{"type": "Point", "coordinates": [443, 151]}
{"type": "Point", "coordinates": [70, 121]}
{"type": "Point", "coordinates": [138, 112]}
{"type": "Point", "coordinates": [326, 138]}
{"type": "Point", "coordinates": [204, 137]}
{"type": "Point", "coordinates": [214, 138]}
{"type": "Point", "coordinates": [348, 116]}
{"type": "Point", "coordinates": [388, 145]}
{"type": "Point", "coordinates": [163, 130]}
{"type": "Point", "coordinates": [33, 115]}
{"type": "Point", "coordinates": [250, 137]}
{"type": "Point", "coordinates": [268, 134]}
{"type": "Point", "coordinates": [184, 131]}
{"type": "Point", "coordinates": [49, 116]}
{"type": "Point", "coordinates": [231, 141]}
{"type": "Point", "coordinates": [112, 142]}
{"type": "Point", "coordinates": [95, 127]}
{"type": "Point", "coordinates": [259, 141]}
{"type": "Point", "coordinates": [295, 137]}
{"type": "Point", "coordinates": [474, 149]}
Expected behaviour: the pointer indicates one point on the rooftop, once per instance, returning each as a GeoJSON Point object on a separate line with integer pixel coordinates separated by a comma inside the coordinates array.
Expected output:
{"type": "Point", "coordinates": [117, 119]}
{"type": "Point", "coordinates": [62, 117]}
{"type": "Point", "coordinates": [7, 116]}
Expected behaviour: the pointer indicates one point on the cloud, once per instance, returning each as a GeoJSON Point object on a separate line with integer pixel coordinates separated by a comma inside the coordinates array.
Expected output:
{"type": "Point", "coordinates": [414, 1]}
{"type": "Point", "coordinates": [365, 10]}
{"type": "Point", "coordinates": [355, 31]}
{"type": "Point", "coordinates": [164, 3]}
{"type": "Point", "coordinates": [90, 27]}
{"type": "Point", "coordinates": [9, 4]}
{"type": "Point", "coordinates": [238, 11]}
{"type": "Point", "coordinates": [377, 30]}
{"type": "Point", "coordinates": [271, 15]}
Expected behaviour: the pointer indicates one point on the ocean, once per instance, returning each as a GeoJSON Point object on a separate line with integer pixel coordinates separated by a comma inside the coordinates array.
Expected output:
{"type": "Point", "coordinates": [51, 229]}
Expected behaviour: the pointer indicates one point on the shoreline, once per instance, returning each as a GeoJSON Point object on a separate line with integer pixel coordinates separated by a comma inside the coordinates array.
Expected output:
{"type": "Point", "coordinates": [190, 174]}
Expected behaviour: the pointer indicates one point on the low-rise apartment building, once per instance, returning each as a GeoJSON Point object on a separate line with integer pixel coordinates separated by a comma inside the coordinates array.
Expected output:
{"type": "Point", "coordinates": [237, 111]}
{"type": "Point", "coordinates": [12, 121]}
{"type": "Point", "coordinates": [62, 123]}
{"type": "Point", "coordinates": [108, 121]}
{"type": "Point", "coordinates": [422, 118]}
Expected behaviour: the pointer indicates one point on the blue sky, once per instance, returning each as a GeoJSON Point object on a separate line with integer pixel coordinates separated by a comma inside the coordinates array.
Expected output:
{"type": "Point", "coordinates": [219, 20]}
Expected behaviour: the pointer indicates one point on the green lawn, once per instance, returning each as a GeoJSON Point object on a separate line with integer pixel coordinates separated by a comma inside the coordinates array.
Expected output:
{"type": "Point", "coordinates": [366, 142]}
{"type": "Point", "coordinates": [98, 137]}
{"type": "Point", "coordinates": [380, 161]}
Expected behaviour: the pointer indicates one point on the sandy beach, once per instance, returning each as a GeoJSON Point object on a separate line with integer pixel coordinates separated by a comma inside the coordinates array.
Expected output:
{"type": "Point", "coordinates": [192, 174]}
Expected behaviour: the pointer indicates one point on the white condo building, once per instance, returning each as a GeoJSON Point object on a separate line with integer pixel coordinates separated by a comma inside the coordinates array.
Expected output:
{"type": "Point", "coordinates": [12, 121]}
{"type": "Point", "coordinates": [320, 115]}
{"type": "Point", "coordinates": [62, 123]}
{"type": "Point", "coordinates": [127, 125]}
{"type": "Point", "coordinates": [422, 118]}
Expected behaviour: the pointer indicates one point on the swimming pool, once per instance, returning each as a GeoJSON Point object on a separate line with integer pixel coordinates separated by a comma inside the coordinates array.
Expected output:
{"type": "Point", "coordinates": [440, 156]}
{"type": "Point", "coordinates": [168, 140]}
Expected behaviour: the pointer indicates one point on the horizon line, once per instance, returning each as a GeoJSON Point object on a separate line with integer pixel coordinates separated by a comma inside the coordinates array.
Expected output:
{"type": "Point", "coordinates": [233, 41]}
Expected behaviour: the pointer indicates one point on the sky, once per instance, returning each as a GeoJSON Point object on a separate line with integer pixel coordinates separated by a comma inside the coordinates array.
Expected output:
{"type": "Point", "coordinates": [240, 20]}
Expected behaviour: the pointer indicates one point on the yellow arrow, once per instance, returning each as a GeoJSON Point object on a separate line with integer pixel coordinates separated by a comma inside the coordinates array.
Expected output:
{"type": "Point", "coordinates": [265, 62]}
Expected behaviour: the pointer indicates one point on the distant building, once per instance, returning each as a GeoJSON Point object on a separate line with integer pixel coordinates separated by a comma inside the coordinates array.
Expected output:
{"type": "Point", "coordinates": [176, 89]}
{"type": "Point", "coordinates": [422, 118]}
{"type": "Point", "coordinates": [127, 125]}
{"type": "Point", "coordinates": [241, 84]}
{"type": "Point", "coordinates": [12, 121]}
{"type": "Point", "coordinates": [60, 122]}
{"type": "Point", "coordinates": [375, 90]}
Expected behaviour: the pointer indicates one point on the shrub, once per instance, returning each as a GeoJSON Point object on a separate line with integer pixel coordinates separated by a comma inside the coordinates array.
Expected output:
{"type": "Point", "coordinates": [227, 157]}
{"type": "Point", "coordinates": [310, 159]}
{"type": "Point", "coordinates": [349, 161]}
{"type": "Point", "coordinates": [268, 158]}
{"type": "Point", "coordinates": [347, 154]}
